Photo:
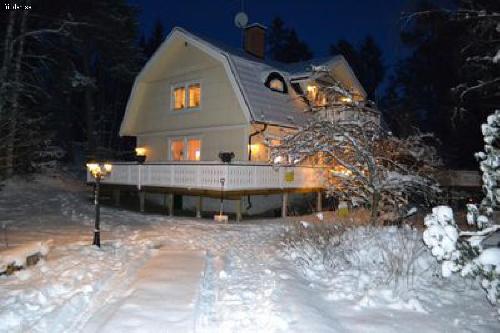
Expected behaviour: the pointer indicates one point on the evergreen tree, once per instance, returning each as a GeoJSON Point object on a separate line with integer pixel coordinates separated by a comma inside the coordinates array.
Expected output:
{"type": "Point", "coordinates": [154, 41]}
{"type": "Point", "coordinates": [373, 70]}
{"type": "Point", "coordinates": [366, 62]}
{"type": "Point", "coordinates": [284, 44]}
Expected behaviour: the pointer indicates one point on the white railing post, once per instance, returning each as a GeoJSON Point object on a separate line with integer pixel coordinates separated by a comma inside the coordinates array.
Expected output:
{"type": "Point", "coordinates": [139, 177]}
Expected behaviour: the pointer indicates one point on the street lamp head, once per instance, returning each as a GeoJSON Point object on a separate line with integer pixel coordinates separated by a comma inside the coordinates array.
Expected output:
{"type": "Point", "coordinates": [99, 170]}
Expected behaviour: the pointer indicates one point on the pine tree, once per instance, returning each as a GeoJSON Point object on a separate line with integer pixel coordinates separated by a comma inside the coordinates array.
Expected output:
{"type": "Point", "coordinates": [366, 62]}
{"type": "Point", "coordinates": [284, 44]}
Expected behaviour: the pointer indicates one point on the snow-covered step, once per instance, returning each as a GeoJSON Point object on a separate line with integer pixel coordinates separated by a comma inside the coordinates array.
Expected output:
{"type": "Point", "coordinates": [163, 297]}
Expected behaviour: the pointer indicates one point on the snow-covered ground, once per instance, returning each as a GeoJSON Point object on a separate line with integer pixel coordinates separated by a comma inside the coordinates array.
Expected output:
{"type": "Point", "coordinates": [160, 274]}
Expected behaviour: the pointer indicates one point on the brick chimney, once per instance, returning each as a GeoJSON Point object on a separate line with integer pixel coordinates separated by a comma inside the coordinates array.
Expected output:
{"type": "Point", "coordinates": [255, 40]}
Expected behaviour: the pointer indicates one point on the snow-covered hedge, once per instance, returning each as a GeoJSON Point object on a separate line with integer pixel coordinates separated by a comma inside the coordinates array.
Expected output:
{"type": "Point", "coordinates": [376, 256]}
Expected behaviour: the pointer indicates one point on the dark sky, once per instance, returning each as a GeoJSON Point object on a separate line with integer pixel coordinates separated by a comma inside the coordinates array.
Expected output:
{"type": "Point", "coordinates": [318, 22]}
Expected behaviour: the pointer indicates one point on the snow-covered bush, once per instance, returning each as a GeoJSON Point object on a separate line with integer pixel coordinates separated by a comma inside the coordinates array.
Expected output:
{"type": "Point", "coordinates": [458, 253]}
{"type": "Point", "coordinates": [378, 256]}
{"type": "Point", "coordinates": [461, 251]}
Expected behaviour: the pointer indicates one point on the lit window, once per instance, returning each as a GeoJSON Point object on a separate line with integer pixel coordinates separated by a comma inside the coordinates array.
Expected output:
{"type": "Point", "coordinates": [185, 149]}
{"type": "Point", "coordinates": [276, 82]}
{"type": "Point", "coordinates": [194, 149]}
{"type": "Point", "coordinates": [315, 96]}
{"type": "Point", "coordinates": [194, 95]}
{"type": "Point", "coordinates": [177, 150]}
{"type": "Point", "coordinates": [276, 85]}
{"type": "Point", "coordinates": [179, 98]}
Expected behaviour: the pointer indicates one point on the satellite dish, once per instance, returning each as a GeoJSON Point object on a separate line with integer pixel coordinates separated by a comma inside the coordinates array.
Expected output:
{"type": "Point", "coordinates": [241, 20]}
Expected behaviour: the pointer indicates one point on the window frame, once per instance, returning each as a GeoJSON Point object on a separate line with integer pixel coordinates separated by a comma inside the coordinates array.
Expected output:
{"type": "Point", "coordinates": [185, 139]}
{"type": "Point", "coordinates": [186, 107]}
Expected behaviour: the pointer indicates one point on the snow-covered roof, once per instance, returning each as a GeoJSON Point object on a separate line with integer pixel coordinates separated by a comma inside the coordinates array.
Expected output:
{"type": "Point", "coordinates": [260, 103]}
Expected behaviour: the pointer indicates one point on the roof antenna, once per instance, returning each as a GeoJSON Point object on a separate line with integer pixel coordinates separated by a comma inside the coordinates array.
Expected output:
{"type": "Point", "coordinates": [241, 21]}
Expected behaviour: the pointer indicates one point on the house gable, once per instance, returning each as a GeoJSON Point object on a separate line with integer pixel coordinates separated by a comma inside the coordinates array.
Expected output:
{"type": "Point", "coordinates": [182, 59]}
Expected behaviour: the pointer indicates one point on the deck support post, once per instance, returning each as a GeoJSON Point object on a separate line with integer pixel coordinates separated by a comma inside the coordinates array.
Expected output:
{"type": "Point", "coordinates": [142, 197]}
{"type": "Point", "coordinates": [284, 208]}
{"type": "Point", "coordinates": [169, 202]}
{"type": "Point", "coordinates": [239, 210]}
{"type": "Point", "coordinates": [199, 206]}
{"type": "Point", "coordinates": [319, 203]}
{"type": "Point", "coordinates": [116, 197]}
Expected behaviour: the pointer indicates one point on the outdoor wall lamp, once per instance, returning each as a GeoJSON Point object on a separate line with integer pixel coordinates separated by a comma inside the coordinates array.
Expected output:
{"type": "Point", "coordinates": [140, 153]}
{"type": "Point", "coordinates": [98, 170]}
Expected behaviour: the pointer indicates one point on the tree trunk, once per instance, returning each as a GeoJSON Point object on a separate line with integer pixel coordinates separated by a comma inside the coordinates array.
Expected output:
{"type": "Point", "coordinates": [4, 72]}
{"type": "Point", "coordinates": [375, 204]}
{"type": "Point", "coordinates": [89, 110]}
{"type": "Point", "coordinates": [14, 110]}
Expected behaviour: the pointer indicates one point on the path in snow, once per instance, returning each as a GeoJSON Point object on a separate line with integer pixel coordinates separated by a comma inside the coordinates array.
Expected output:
{"type": "Point", "coordinates": [162, 299]}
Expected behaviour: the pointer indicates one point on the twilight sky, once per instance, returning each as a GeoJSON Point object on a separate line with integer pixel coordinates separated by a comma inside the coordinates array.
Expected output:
{"type": "Point", "coordinates": [318, 22]}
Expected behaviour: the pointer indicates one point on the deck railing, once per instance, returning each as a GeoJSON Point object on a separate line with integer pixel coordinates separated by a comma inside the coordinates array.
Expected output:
{"type": "Point", "coordinates": [207, 176]}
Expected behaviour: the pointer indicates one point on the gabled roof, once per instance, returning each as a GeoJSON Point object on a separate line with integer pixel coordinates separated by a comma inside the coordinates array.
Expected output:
{"type": "Point", "coordinates": [247, 75]}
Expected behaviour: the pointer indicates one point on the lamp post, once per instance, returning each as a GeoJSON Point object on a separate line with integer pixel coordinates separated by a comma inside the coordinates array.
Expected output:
{"type": "Point", "coordinates": [98, 171]}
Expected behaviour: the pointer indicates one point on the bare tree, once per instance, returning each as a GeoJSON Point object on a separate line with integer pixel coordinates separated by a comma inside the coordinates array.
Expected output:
{"type": "Point", "coordinates": [366, 164]}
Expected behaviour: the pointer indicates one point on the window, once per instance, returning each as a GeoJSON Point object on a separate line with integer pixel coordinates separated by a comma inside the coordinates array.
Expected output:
{"type": "Point", "coordinates": [186, 96]}
{"type": "Point", "coordinates": [179, 98]}
{"type": "Point", "coordinates": [185, 149]}
{"type": "Point", "coordinates": [276, 85]}
{"type": "Point", "coordinates": [177, 150]}
{"type": "Point", "coordinates": [194, 95]}
{"type": "Point", "coordinates": [194, 149]}
{"type": "Point", "coordinates": [276, 82]}
{"type": "Point", "coordinates": [315, 96]}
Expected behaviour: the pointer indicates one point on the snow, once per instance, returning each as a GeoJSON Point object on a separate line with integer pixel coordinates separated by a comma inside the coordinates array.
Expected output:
{"type": "Point", "coordinates": [496, 58]}
{"type": "Point", "coordinates": [491, 257]}
{"type": "Point", "coordinates": [157, 273]}
{"type": "Point", "coordinates": [145, 308]}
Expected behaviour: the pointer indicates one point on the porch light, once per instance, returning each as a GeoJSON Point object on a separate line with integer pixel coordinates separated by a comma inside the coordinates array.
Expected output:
{"type": "Point", "coordinates": [197, 155]}
{"type": "Point", "coordinates": [140, 151]}
{"type": "Point", "coordinates": [98, 170]}
{"type": "Point", "coordinates": [254, 147]}
{"type": "Point", "coordinates": [311, 89]}
{"type": "Point", "coordinates": [346, 99]}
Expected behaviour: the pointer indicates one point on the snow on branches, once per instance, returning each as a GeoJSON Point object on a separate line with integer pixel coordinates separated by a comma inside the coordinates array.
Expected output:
{"type": "Point", "coordinates": [365, 164]}
{"type": "Point", "coordinates": [459, 253]}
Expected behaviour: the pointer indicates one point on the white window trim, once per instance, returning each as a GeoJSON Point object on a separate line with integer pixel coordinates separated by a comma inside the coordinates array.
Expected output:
{"type": "Point", "coordinates": [185, 139]}
{"type": "Point", "coordinates": [186, 108]}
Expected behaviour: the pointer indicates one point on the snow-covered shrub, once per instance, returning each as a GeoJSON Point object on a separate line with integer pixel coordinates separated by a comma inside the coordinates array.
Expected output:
{"type": "Point", "coordinates": [461, 251]}
{"type": "Point", "coordinates": [310, 244]}
{"type": "Point", "coordinates": [378, 256]}
{"type": "Point", "coordinates": [461, 254]}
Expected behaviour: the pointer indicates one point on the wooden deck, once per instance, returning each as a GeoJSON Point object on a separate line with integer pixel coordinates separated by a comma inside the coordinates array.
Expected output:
{"type": "Point", "coordinates": [205, 178]}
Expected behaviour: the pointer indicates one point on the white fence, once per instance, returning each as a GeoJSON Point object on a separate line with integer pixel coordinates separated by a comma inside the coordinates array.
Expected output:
{"type": "Point", "coordinates": [208, 176]}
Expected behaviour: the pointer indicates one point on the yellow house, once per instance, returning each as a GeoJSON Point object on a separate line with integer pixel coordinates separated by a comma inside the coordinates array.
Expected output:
{"type": "Point", "coordinates": [196, 98]}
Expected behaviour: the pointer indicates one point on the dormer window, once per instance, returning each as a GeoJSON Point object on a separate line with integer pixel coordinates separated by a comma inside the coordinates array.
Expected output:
{"type": "Point", "coordinates": [276, 82]}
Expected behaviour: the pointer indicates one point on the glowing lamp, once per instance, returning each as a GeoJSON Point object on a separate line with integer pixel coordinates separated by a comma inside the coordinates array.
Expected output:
{"type": "Point", "coordinates": [346, 99]}
{"type": "Point", "coordinates": [98, 171]}
{"type": "Point", "coordinates": [197, 155]}
{"type": "Point", "coordinates": [140, 151]}
{"type": "Point", "coordinates": [253, 147]}
{"type": "Point", "coordinates": [311, 89]}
